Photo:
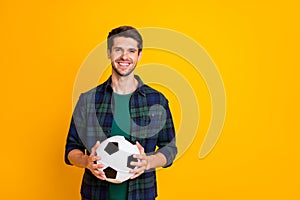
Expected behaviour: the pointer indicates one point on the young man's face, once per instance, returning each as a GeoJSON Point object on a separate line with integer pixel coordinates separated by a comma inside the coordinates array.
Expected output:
{"type": "Point", "coordinates": [124, 55]}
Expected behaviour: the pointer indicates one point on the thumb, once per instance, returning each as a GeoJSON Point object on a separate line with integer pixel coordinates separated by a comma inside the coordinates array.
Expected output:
{"type": "Point", "coordinates": [95, 147]}
{"type": "Point", "coordinates": [140, 147]}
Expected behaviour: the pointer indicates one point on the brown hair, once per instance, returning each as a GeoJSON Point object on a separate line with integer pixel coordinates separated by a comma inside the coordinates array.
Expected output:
{"type": "Point", "coordinates": [125, 31]}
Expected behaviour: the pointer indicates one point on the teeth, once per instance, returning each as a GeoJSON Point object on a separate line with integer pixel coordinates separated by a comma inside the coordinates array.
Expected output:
{"type": "Point", "coordinates": [124, 64]}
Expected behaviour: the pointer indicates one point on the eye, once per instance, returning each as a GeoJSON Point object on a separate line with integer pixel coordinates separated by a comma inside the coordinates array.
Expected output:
{"type": "Point", "coordinates": [117, 49]}
{"type": "Point", "coordinates": [132, 50]}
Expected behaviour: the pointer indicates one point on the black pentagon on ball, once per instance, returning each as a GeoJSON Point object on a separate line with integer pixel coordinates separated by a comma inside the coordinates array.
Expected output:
{"type": "Point", "coordinates": [110, 172]}
{"type": "Point", "coordinates": [131, 159]}
{"type": "Point", "coordinates": [112, 147]}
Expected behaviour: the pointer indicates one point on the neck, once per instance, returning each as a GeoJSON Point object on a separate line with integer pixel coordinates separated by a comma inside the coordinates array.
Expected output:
{"type": "Point", "coordinates": [124, 85]}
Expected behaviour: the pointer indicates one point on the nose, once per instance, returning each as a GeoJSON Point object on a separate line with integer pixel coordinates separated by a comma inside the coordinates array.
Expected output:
{"type": "Point", "coordinates": [124, 55]}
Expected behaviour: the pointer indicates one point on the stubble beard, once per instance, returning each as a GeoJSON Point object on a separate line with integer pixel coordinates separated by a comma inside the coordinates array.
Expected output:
{"type": "Point", "coordinates": [120, 73]}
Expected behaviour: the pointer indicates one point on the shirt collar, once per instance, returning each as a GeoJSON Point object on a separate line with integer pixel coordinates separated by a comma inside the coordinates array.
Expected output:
{"type": "Point", "coordinates": [140, 88]}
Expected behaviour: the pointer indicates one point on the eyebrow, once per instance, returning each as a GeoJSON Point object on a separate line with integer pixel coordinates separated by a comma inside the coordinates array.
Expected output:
{"type": "Point", "coordinates": [130, 49]}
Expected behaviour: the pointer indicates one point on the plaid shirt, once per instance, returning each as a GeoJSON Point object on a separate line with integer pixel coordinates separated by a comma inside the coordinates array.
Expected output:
{"type": "Point", "coordinates": [151, 125]}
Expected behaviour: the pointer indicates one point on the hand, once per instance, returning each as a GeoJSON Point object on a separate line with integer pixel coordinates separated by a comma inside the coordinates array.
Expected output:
{"type": "Point", "coordinates": [144, 163]}
{"type": "Point", "coordinates": [95, 168]}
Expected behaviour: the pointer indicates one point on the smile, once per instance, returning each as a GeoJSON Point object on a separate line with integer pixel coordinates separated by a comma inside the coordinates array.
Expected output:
{"type": "Point", "coordinates": [124, 64]}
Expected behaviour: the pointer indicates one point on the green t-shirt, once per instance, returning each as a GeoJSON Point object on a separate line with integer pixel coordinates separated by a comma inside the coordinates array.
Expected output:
{"type": "Point", "coordinates": [120, 126]}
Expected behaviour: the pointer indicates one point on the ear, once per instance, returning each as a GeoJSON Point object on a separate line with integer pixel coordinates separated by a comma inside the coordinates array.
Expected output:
{"type": "Point", "coordinates": [140, 56]}
{"type": "Point", "coordinates": [108, 53]}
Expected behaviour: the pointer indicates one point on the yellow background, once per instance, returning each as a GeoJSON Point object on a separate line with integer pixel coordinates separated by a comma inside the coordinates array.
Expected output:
{"type": "Point", "coordinates": [255, 45]}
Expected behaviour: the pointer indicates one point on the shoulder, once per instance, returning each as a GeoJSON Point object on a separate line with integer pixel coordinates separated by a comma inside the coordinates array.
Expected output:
{"type": "Point", "coordinates": [93, 94]}
{"type": "Point", "coordinates": [149, 92]}
{"type": "Point", "coordinates": [154, 95]}
{"type": "Point", "coordinates": [99, 89]}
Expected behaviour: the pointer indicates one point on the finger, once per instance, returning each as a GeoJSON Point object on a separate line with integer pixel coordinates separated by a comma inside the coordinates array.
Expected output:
{"type": "Point", "coordinates": [101, 178]}
{"type": "Point", "coordinates": [135, 175]}
{"type": "Point", "coordinates": [92, 159]}
{"type": "Point", "coordinates": [140, 170]}
{"type": "Point", "coordinates": [99, 174]}
{"type": "Point", "coordinates": [95, 158]}
{"type": "Point", "coordinates": [99, 166]}
{"type": "Point", "coordinates": [140, 147]}
{"type": "Point", "coordinates": [137, 164]}
{"type": "Point", "coordinates": [95, 147]}
{"type": "Point", "coordinates": [140, 156]}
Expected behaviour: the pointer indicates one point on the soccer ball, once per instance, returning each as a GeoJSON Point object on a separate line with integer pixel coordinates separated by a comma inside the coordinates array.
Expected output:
{"type": "Point", "coordinates": [116, 154]}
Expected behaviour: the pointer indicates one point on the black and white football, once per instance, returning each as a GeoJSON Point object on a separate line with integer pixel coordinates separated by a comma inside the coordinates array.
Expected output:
{"type": "Point", "coordinates": [116, 154]}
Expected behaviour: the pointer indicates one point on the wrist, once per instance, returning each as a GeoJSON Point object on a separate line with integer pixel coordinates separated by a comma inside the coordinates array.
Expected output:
{"type": "Point", "coordinates": [85, 161]}
{"type": "Point", "coordinates": [156, 160]}
{"type": "Point", "coordinates": [149, 161]}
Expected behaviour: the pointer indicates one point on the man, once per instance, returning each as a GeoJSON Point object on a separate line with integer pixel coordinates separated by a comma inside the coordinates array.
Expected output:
{"type": "Point", "coordinates": [122, 105]}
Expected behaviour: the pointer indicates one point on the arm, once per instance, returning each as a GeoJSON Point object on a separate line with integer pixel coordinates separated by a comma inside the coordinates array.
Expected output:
{"type": "Point", "coordinates": [156, 160]}
{"type": "Point", "coordinates": [147, 162]}
{"type": "Point", "coordinates": [166, 152]}
{"type": "Point", "coordinates": [79, 159]}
